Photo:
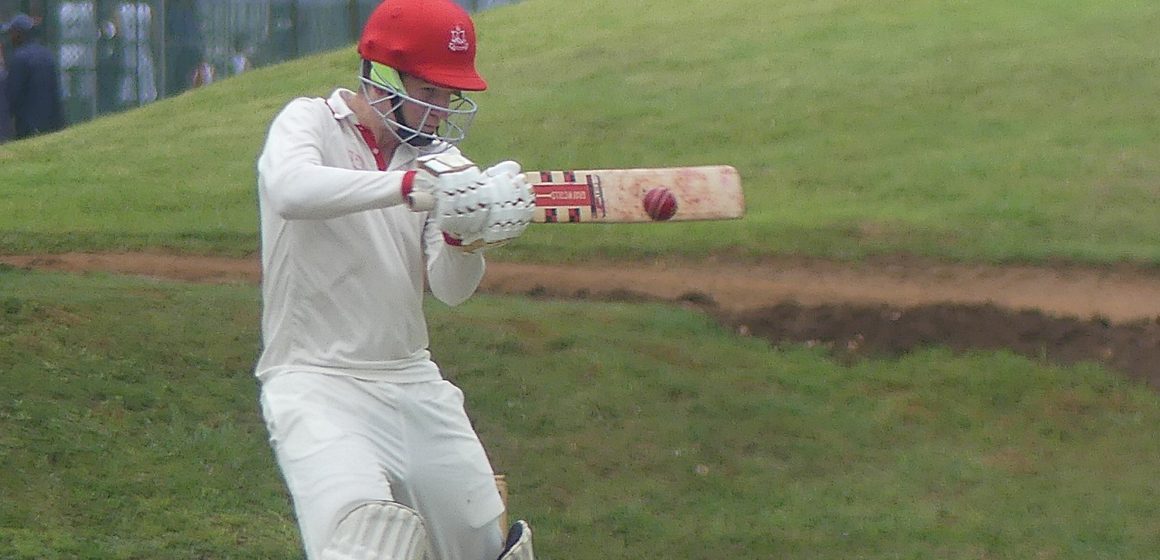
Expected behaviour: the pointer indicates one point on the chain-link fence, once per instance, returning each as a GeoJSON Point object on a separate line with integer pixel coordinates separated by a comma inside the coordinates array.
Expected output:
{"type": "Point", "coordinates": [114, 55]}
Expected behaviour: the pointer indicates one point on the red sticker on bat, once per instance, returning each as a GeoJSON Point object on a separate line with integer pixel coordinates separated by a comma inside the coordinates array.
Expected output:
{"type": "Point", "coordinates": [563, 194]}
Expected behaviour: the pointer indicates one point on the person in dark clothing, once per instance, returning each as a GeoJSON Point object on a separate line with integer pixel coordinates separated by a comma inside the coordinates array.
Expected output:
{"type": "Point", "coordinates": [33, 84]}
{"type": "Point", "coordinates": [5, 116]}
{"type": "Point", "coordinates": [183, 45]}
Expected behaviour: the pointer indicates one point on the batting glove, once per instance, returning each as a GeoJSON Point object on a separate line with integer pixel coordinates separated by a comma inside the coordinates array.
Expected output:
{"type": "Point", "coordinates": [440, 183]}
{"type": "Point", "coordinates": [509, 206]}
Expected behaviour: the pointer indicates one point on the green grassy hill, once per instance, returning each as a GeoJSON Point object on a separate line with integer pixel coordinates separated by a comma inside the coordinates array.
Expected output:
{"type": "Point", "coordinates": [978, 131]}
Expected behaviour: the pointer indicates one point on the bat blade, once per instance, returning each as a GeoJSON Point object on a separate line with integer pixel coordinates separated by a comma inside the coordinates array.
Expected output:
{"type": "Point", "coordinates": [710, 192]}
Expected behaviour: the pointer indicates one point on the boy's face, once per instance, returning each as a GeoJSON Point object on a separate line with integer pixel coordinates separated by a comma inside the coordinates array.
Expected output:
{"type": "Point", "coordinates": [418, 111]}
{"type": "Point", "coordinates": [429, 114]}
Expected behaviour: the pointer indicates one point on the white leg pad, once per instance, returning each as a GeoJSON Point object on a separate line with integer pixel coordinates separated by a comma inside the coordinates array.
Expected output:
{"type": "Point", "coordinates": [519, 543]}
{"type": "Point", "coordinates": [379, 531]}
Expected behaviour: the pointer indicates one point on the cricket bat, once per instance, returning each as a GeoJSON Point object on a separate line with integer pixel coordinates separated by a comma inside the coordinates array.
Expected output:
{"type": "Point", "coordinates": [637, 195]}
{"type": "Point", "coordinates": [502, 486]}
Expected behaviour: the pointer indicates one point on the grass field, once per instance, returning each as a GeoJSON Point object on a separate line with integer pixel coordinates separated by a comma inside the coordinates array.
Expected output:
{"type": "Point", "coordinates": [978, 132]}
{"type": "Point", "coordinates": [128, 429]}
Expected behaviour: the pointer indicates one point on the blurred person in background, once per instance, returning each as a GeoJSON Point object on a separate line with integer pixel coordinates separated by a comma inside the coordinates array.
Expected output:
{"type": "Point", "coordinates": [241, 55]}
{"type": "Point", "coordinates": [33, 84]}
{"type": "Point", "coordinates": [5, 116]}
{"type": "Point", "coordinates": [184, 45]}
{"type": "Point", "coordinates": [75, 38]}
{"type": "Point", "coordinates": [203, 75]}
{"type": "Point", "coordinates": [108, 61]}
{"type": "Point", "coordinates": [135, 30]}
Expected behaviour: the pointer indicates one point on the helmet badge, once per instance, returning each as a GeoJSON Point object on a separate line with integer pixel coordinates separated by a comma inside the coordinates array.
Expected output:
{"type": "Point", "coordinates": [458, 41]}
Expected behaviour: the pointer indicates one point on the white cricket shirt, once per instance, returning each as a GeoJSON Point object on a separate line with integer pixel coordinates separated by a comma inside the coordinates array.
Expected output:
{"type": "Point", "coordinates": [343, 259]}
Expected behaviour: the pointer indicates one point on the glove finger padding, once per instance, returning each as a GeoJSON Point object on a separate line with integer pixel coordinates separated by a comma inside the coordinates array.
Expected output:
{"type": "Point", "coordinates": [511, 212]}
{"type": "Point", "coordinates": [508, 167]}
{"type": "Point", "coordinates": [462, 214]}
{"type": "Point", "coordinates": [510, 206]}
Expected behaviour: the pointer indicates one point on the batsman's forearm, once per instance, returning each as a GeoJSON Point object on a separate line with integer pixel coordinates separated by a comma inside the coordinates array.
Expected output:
{"type": "Point", "coordinates": [453, 275]}
{"type": "Point", "coordinates": [298, 182]}
{"type": "Point", "coordinates": [316, 192]}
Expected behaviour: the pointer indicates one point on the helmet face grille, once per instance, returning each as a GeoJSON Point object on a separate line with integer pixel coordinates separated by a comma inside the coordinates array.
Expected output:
{"type": "Point", "coordinates": [453, 120]}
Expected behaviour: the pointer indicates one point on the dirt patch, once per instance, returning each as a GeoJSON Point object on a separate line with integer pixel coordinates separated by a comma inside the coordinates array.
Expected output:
{"type": "Point", "coordinates": [1060, 315]}
{"type": "Point", "coordinates": [857, 331]}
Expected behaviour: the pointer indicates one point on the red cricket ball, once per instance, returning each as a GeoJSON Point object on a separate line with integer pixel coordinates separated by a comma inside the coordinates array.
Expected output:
{"type": "Point", "coordinates": [660, 204]}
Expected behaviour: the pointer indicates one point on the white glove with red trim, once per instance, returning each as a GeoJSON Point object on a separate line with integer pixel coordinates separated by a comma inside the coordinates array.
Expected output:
{"type": "Point", "coordinates": [474, 210]}
{"type": "Point", "coordinates": [509, 206]}
{"type": "Point", "coordinates": [437, 182]}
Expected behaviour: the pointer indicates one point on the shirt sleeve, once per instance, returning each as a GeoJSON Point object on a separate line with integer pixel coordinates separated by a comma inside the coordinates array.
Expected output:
{"type": "Point", "coordinates": [297, 183]}
{"type": "Point", "coordinates": [452, 274]}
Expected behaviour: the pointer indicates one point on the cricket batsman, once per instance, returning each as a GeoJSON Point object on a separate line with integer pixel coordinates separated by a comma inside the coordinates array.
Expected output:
{"type": "Point", "coordinates": [365, 200]}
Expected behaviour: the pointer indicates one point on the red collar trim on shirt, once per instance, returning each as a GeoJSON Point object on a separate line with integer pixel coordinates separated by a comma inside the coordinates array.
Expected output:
{"type": "Point", "coordinates": [369, 138]}
{"type": "Point", "coordinates": [366, 133]}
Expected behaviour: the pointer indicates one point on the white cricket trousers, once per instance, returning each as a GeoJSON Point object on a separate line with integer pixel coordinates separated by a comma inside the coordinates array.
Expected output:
{"type": "Point", "coordinates": [342, 442]}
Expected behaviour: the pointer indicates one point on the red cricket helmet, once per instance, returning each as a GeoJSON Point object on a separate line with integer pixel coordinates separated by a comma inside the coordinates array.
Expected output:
{"type": "Point", "coordinates": [431, 39]}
